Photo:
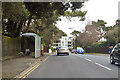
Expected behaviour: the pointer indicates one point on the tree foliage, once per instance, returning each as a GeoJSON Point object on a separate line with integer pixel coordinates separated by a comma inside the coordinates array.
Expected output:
{"type": "Point", "coordinates": [76, 14]}
{"type": "Point", "coordinates": [18, 16]}
{"type": "Point", "coordinates": [90, 35]}
{"type": "Point", "coordinates": [14, 16]}
{"type": "Point", "coordinates": [48, 34]}
{"type": "Point", "coordinates": [37, 17]}
{"type": "Point", "coordinates": [76, 33]}
{"type": "Point", "coordinates": [113, 36]}
{"type": "Point", "coordinates": [14, 11]}
{"type": "Point", "coordinates": [101, 24]}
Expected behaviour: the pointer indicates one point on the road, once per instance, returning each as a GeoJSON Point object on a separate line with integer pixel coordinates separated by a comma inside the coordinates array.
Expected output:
{"type": "Point", "coordinates": [0, 69]}
{"type": "Point", "coordinates": [76, 66]}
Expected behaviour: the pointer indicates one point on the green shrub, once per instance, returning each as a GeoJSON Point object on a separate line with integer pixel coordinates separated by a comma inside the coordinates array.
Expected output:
{"type": "Point", "coordinates": [20, 54]}
{"type": "Point", "coordinates": [70, 49]}
{"type": "Point", "coordinates": [98, 44]}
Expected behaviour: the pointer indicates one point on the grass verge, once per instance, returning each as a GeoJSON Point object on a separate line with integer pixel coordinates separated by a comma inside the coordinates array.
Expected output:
{"type": "Point", "coordinates": [96, 53]}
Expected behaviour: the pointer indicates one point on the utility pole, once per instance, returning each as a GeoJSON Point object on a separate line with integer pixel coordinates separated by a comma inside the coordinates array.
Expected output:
{"type": "Point", "coordinates": [53, 38]}
{"type": "Point", "coordinates": [74, 42]}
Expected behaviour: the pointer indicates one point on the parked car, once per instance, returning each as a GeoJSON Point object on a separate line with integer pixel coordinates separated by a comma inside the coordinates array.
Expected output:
{"type": "Point", "coordinates": [73, 51]}
{"type": "Point", "coordinates": [63, 50]}
{"type": "Point", "coordinates": [115, 54]}
{"type": "Point", "coordinates": [80, 50]}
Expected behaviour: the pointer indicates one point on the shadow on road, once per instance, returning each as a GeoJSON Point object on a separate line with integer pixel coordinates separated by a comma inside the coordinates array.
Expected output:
{"type": "Point", "coordinates": [118, 65]}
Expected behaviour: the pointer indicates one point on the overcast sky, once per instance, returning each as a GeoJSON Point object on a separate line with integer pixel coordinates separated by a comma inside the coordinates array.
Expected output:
{"type": "Point", "coordinates": [106, 10]}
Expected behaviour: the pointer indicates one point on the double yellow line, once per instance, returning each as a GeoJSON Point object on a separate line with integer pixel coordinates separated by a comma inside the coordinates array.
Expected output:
{"type": "Point", "coordinates": [29, 71]}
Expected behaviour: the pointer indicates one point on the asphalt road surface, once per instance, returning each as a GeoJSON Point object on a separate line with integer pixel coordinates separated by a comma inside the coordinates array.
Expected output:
{"type": "Point", "coordinates": [0, 70]}
{"type": "Point", "coordinates": [76, 66]}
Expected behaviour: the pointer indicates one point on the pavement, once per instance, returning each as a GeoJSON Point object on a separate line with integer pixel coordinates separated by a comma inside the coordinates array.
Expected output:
{"type": "Point", "coordinates": [13, 67]}
{"type": "Point", "coordinates": [75, 66]}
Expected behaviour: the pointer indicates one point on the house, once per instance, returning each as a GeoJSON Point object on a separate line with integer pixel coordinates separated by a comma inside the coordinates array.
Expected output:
{"type": "Point", "coordinates": [64, 41]}
{"type": "Point", "coordinates": [102, 37]}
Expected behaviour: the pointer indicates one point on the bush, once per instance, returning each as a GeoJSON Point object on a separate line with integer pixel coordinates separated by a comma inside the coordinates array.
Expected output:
{"type": "Point", "coordinates": [20, 54]}
{"type": "Point", "coordinates": [70, 49]}
{"type": "Point", "coordinates": [98, 44]}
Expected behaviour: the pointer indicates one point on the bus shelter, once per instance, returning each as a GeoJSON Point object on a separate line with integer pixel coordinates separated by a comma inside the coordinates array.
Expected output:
{"type": "Point", "coordinates": [37, 42]}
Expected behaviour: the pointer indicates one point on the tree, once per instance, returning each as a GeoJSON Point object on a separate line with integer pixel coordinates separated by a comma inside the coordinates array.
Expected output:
{"type": "Point", "coordinates": [17, 15]}
{"type": "Point", "coordinates": [90, 35]}
{"type": "Point", "coordinates": [112, 36]}
{"type": "Point", "coordinates": [79, 14]}
{"type": "Point", "coordinates": [48, 13]}
{"type": "Point", "coordinates": [48, 34]}
{"type": "Point", "coordinates": [75, 33]}
{"type": "Point", "coordinates": [101, 24]}
{"type": "Point", "coordinates": [14, 16]}
{"type": "Point", "coordinates": [46, 9]}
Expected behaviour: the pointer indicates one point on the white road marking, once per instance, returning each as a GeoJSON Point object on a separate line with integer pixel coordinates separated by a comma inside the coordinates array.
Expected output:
{"type": "Point", "coordinates": [87, 59]}
{"type": "Point", "coordinates": [103, 66]}
{"type": "Point", "coordinates": [95, 63]}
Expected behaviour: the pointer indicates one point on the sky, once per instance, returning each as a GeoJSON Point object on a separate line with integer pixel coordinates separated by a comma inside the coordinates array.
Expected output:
{"type": "Point", "coordinates": [106, 10]}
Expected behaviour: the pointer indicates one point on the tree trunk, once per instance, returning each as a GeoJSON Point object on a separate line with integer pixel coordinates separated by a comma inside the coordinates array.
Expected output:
{"type": "Point", "coordinates": [19, 29]}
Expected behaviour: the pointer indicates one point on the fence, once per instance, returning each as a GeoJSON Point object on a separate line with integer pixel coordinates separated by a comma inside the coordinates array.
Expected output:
{"type": "Point", "coordinates": [104, 50]}
{"type": "Point", "coordinates": [10, 46]}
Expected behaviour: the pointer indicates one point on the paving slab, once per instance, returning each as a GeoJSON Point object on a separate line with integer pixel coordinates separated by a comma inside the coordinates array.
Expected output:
{"type": "Point", "coordinates": [13, 67]}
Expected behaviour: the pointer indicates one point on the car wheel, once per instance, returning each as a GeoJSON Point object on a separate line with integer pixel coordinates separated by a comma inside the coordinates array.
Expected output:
{"type": "Point", "coordinates": [67, 53]}
{"type": "Point", "coordinates": [112, 61]}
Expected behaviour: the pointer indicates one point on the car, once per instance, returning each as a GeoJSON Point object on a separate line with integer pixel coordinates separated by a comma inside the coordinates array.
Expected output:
{"type": "Point", "coordinates": [115, 54]}
{"type": "Point", "coordinates": [63, 50]}
{"type": "Point", "coordinates": [73, 51]}
{"type": "Point", "coordinates": [80, 50]}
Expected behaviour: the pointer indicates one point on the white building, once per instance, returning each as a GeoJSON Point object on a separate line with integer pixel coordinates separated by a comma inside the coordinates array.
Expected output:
{"type": "Point", "coordinates": [64, 41]}
{"type": "Point", "coordinates": [101, 37]}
